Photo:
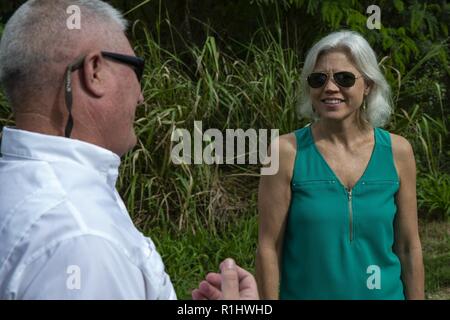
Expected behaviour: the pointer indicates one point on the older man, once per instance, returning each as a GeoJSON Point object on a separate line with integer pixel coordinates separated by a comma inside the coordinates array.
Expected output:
{"type": "Point", "coordinates": [64, 231]}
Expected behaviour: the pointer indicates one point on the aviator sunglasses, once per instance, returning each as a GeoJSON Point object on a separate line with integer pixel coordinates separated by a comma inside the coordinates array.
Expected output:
{"type": "Point", "coordinates": [344, 79]}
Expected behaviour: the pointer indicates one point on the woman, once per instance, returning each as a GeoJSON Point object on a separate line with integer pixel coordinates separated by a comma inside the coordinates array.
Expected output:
{"type": "Point", "coordinates": [339, 219]}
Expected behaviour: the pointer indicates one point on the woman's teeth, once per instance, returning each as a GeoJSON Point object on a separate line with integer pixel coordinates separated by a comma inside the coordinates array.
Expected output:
{"type": "Point", "coordinates": [332, 101]}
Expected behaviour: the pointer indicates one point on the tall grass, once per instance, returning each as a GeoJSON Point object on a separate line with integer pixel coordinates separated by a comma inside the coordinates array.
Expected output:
{"type": "Point", "coordinates": [223, 92]}
{"type": "Point", "coordinates": [431, 142]}
{"type": "Point", "coordinates": [188, 257]}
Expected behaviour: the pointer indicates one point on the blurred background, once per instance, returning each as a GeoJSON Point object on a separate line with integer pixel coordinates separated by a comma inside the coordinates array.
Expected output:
{"type": "Point", "coordinates": [236, 64]}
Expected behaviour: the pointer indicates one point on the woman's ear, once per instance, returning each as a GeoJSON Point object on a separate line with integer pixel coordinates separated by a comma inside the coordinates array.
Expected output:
{"type": "Point", "coordinates": [368, 84]}
{"type": "Point", "coordinates": [94, 76]}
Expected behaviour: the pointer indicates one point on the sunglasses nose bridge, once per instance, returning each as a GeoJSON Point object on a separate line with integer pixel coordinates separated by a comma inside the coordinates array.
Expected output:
{"type": "Point", "coordinates": [330, 79]}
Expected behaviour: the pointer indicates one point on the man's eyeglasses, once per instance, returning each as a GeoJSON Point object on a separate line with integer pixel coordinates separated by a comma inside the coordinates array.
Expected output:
{"type": "Point", "coordinates": [344, 79]}
{"type": "Point", "coordinates": [136, 63]}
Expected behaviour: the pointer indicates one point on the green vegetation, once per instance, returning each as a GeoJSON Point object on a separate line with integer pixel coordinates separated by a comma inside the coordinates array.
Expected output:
{"type": "Point", "coordinates": [207, 69]}
{"type": "Point", "coordinates": [435, 237]}
{"type": "Point", "coordinates": [188, 256]}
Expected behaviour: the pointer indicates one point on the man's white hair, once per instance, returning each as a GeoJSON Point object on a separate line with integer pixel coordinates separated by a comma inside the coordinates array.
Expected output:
{"type": "Point", "coordinates": [362, 55]}
{"type": "Point", "coordinates": [36, 41]}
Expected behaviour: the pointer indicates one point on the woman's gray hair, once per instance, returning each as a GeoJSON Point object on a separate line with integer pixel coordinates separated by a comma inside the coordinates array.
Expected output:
{"type": "Point", "coordinates": [379, 105]}
{"type": "Point", "coordinates": [36, 41]}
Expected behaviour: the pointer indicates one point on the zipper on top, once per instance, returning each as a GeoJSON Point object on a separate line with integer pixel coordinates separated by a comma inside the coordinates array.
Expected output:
{"type": "Point", "coordinates": [350, 213]}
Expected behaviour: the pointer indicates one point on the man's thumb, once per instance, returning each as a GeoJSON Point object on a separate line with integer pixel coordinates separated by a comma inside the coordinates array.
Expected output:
{"type": "Point", "coordinates": [230, 280]}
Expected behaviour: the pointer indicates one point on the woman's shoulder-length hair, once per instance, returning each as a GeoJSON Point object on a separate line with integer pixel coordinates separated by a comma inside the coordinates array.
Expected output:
{"type": "Point", "coordinates": [378, 101]}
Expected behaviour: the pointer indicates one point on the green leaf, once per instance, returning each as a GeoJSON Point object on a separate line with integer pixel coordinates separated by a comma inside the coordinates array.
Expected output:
{"type": "Point", "coordinates": [332, 14]}
{"type": "Point", "coordinates": [398, 4]}
{"type": "Point", "coordinates": [417, 16]}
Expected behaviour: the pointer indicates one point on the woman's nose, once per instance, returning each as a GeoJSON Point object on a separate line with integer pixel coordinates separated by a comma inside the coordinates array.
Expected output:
{"type": "Point", "coordinates": [330, 85]}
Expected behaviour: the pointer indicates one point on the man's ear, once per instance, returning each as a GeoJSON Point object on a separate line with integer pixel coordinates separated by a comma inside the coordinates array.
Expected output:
{"type": "Point", "coordinates": [94, 75]}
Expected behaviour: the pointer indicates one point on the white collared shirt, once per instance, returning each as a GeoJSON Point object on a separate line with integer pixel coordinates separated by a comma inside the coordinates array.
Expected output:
{"type": "Point", "coordinates": [64, 231]}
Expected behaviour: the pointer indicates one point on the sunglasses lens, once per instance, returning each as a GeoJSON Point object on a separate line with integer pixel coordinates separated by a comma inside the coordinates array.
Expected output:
{"type": "Point", "coordinates": [345, 79]}
{"type": "Point", "coordinates": [317, 79]}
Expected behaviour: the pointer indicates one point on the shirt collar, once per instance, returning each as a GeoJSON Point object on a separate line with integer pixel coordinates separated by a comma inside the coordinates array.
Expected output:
{"type": "Point", "coordinates": [36, 146]}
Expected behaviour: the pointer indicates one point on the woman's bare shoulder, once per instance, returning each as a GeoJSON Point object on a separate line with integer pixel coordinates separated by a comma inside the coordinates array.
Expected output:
{"type": "Point", "coordinates": [403, 156]}
{"type": "Point", "coordinates": [288, 143]}
{"type": "Point", "coordinates": [286, 147]}
{"type": "Point", "coordinates": [401, 147]}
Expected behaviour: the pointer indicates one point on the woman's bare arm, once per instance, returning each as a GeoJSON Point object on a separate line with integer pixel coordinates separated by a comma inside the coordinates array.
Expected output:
{"type": "Point", "coordinates": [407, 244]}
{"type": "Point", "coordinates": [273, 203]}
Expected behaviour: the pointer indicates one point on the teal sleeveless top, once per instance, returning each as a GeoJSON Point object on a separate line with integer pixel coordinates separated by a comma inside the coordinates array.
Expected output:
{"type": "Point", "coordinates": [338, 242]}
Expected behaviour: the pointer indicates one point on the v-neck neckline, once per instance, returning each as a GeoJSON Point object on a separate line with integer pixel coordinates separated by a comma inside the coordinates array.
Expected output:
{"type": "Point", "coordinates": [338, 179]}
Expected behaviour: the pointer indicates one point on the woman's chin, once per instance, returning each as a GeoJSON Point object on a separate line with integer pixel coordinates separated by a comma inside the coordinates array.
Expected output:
{"type": "Point", "coordinates": [332, 115]}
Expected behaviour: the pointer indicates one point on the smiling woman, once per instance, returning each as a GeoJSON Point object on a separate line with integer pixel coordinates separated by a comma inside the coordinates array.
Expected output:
{"type": "Point", "coordinates": [339, 220]}
{"type": "Point", "coordinates": [343, 92]}
{"type": "Point", "coordinates": [360, 56]}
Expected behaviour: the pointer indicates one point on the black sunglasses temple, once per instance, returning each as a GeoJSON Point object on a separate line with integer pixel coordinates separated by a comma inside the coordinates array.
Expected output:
{"type": "Point", "coordinates": [136, 62]}
{"type": "Point", "coordinates": [68, 94]}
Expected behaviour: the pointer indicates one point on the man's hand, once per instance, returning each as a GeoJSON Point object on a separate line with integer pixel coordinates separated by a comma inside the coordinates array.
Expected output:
{"type": "Point", "coordinates": [233, 283]}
